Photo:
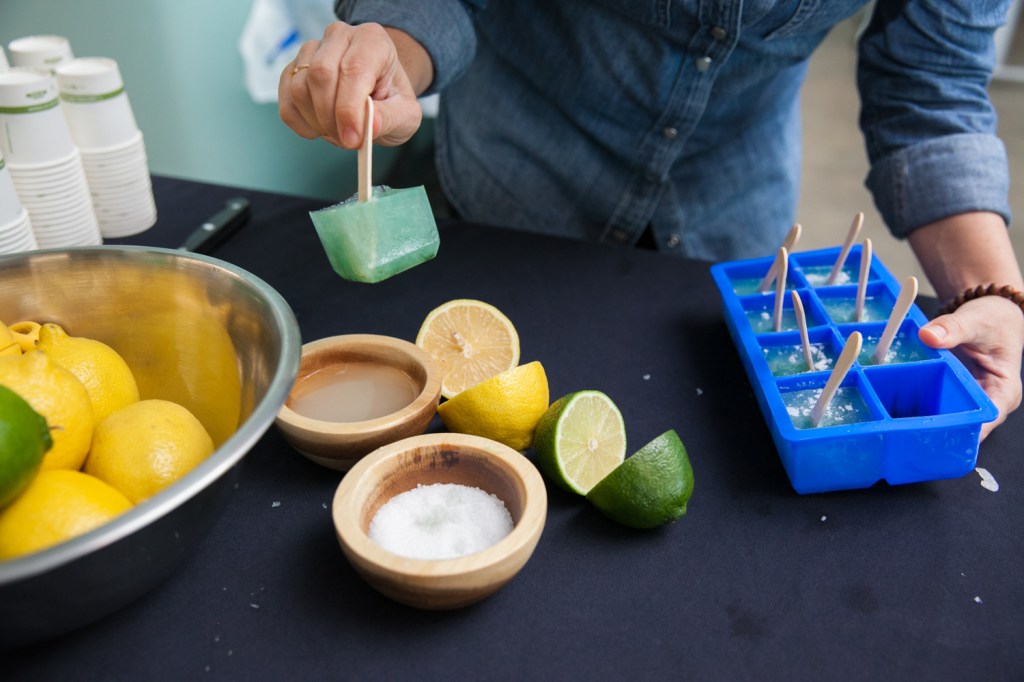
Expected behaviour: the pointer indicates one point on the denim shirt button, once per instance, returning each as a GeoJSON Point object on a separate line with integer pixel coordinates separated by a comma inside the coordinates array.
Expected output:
{"type": "Point", "coordinates": [703, 64]}
{"type": "Point", "coordinates": [718, 33]}
{"type": "Point", "coordinates": [670, 133]}
{"type": "Point", "coordinates": [620, 236]}
{"type": "Point", "coordinates": [672, 241]}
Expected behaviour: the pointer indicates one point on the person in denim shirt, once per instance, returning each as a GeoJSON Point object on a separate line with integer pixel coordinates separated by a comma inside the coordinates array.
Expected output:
{"type": "Point", "coordinates": [676, 123]}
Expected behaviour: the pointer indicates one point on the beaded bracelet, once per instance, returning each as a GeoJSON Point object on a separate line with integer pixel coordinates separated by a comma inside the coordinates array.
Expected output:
{"type": "Point", "coordinates": [1006, 291]}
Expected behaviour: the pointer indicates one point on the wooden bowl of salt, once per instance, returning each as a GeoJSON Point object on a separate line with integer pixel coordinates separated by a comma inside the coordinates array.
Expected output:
{"type": "Point", "coordinates": [355, 393]}
{"type": "Point", "coordinates": [440, 521]}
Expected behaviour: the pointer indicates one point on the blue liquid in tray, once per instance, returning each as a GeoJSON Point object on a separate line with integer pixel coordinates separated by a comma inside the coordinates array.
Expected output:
{"type": "Point", "coordinates": [746, 286]}
{"type": "Point", "coordinates": [903, 349]}
{"type": "Point", "coordinates": [761, 320]}
{"type": "Point", "coordinates": [816, 275]}
{"type": "Point", "coordinates": [841, 310]}
{"type": "Point", "coordinates": [847, 407]}
{"type": "Point", "coordinates": [784, 361]}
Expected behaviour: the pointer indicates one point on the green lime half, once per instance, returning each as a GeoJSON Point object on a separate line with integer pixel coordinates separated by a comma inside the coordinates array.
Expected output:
{"type": "Point", "coordinates": [579, 440]}
{"type": "Point", "coordinates": [24, 439]}
{"type": "Point", "coordinates": [650, 488]}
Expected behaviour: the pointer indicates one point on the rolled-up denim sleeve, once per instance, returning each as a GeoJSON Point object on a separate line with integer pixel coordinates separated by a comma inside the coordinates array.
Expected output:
{"type": "Point", "coordinates": [929, 126]}
{"type": "Point", "coordinates": [443, 27]}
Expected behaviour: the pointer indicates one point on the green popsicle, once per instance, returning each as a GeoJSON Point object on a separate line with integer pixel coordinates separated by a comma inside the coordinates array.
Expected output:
{"type": "Point", "coordinates": [381, 231]}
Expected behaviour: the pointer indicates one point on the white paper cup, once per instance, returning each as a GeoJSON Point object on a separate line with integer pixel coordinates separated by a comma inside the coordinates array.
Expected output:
{"type": "Point", "coordinates": [17, 236]}
{"type": "Point", "coordinates": [95, 103]}
{"type": "Point", "coordinates": [41, 51]}
{"type": "Point", "coordinates": [10, 204]}
{"type": "Point", "coordinates": [4, 64]}
{"type": "Point", "coordinates": [33, 129]}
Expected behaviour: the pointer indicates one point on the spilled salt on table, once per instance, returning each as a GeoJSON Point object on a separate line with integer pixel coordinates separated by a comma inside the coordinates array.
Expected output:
{"type": "Point", "coordinates": [440, 521]}
{"type": "Point", "coordinates": [988, 481]}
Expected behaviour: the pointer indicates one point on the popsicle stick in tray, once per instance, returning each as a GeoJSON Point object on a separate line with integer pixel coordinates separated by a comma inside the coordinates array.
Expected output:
{"type": "Point", "coordinates": [364, 157]}
{"type": "Point", "coordinates": [851, 237]}
{"type": "Point", "coordinates": [781, 266]}
{"type": "Point", "coordinates": [862, 279]}
{"type": "Point", "coordinates": [790, 241]}
{"type": "Point", "coordinates": [846, 359]}
{"type": "Point", "coordinates": [801, 324]}
{"type": "Point", "coordinates": [899, 311]}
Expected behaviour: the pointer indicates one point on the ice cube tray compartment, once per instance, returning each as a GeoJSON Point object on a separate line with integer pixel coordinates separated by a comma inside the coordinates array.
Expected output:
{"type": "Point", "coordinates": [840, 303]}
{"type": "Point", "coordinates": [906, 346]}
{"type": "Point", "coordinates": [921, 417]}
{"type": "Point", "coordinates": [812, 268]}
{"type": "Point", "coordinates": [747, 277]}
{"type": "Point", "coordinates": [760, 308]}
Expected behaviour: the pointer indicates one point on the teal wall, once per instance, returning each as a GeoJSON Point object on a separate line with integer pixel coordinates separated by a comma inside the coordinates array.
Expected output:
{"type": "Point", "coordinates": [184, 77]}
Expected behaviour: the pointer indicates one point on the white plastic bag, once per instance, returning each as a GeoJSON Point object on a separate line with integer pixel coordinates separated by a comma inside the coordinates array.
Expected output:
{"type": "Point", "coordinates": [273, 34]}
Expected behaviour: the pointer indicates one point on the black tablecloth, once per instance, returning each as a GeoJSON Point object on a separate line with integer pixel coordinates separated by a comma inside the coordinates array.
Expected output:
{"type": "Point", "coordinates": [755, 582]}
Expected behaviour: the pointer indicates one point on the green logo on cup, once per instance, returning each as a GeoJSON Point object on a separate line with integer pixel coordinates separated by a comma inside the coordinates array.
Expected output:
{"type": "Point", "coordinates": [36, 94]}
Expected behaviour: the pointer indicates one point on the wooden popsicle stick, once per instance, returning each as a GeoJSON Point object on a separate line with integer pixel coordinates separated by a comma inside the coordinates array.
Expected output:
{"type": "Point", "coordinates": [851, 237]}
{"type": "Point", "coordinates": [850, 352]}
{"type": "Point", "coordinates": [365, 155]}
{"type": "Point", "coordinates": [862, 279]}
{"type": "Point", "coordinates": [899, 311]}
{"type": "Point", "coordinates": [801, 323]}
{"type": "Point", "coordinates": [792, 238]}
{"type": "Point", "coordinates": [781, 266]}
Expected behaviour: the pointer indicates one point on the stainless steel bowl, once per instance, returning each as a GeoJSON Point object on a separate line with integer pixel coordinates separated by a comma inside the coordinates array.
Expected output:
{"type": "Point", "coordinates": [194, 329]}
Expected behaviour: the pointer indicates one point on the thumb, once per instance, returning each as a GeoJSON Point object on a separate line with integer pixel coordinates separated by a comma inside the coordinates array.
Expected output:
{"type": "Point", "coordinates": [948, 331]}
{"type": "Point", "coordinates": [400, 118]}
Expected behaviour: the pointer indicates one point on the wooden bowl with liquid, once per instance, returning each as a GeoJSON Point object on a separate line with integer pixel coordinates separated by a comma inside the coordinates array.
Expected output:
{"type": "Point", "coordinates": [440, 458]}
{"type": "Point", "coordinates": [356, 392]}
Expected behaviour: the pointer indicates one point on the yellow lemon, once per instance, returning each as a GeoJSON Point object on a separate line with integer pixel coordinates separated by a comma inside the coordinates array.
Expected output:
{"type": "Point", "coordinates": [56, 394]}
{"type": "Point", "coordinates": [143, 448]}
{"type": "Point", "coordinates": [8, 344]}
{"type": "Point", "coordinates": [105, 374]}
{"type": "Point", "coordinates": [26, 334]}
{"type": "Point", "coordinates": [505, 408]}
{"type": "Point", "coordinates": [471, 341]}
{"type": "Point", "coordinates": [186, 355]}
{"type": "Point", "coordinates": [57, 506]}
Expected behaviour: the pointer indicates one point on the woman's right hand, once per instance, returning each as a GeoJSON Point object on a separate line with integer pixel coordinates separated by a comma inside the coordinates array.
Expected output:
{"type": "Point", "coordinates": [322, 93]}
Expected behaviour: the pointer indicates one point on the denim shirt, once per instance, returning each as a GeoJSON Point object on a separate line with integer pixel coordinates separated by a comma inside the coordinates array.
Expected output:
{"type": "Point", "coordinates": [597, 119]}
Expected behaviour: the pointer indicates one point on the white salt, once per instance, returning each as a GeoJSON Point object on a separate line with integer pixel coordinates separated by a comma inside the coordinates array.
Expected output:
{"type": "Point", "coordinates": [988, 481]}
{"type": "Point", "coordinates": [440, 521]}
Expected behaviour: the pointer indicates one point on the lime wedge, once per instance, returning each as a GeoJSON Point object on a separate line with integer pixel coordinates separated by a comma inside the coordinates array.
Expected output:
{"type": "Point", "coordinates": [650, 488]}
{"type": "Point", "coordinates": [579, 440]}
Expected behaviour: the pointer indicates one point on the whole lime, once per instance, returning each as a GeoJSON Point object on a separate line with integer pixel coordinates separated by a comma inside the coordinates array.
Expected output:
{"type": "Point", "coordinates": [24, 439]}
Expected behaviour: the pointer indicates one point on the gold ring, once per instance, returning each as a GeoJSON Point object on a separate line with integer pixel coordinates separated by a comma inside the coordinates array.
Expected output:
{"type": "Point", "coordinates": [299, 67]}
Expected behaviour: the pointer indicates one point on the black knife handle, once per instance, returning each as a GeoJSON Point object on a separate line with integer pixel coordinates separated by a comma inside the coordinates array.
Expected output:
{"type": "Point", "coordinates": [218, 227]}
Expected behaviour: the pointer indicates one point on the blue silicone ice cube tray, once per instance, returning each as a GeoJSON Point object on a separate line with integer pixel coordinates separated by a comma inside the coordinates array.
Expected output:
{"type": "Point", "coordinates": [924, 409]}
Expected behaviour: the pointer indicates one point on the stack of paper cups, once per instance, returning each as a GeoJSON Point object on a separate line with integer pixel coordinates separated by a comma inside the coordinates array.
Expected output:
{"type": "Point", "coordinates": [47, 52]}
{"type": "Point", "coordinates": [43, 161]}
{"type": "Point", "coordinates": [113, 153]}
{"type": "Point", "coordinates": [3, 61]}
{"type": "Point", "coordinates": [15, 226]}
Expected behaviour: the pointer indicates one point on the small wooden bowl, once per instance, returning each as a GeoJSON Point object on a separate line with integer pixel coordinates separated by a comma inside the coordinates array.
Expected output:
{"type": "Point", "coordinates": [440, 458]}
{"type": "Point", "coordinates": [339, 445]}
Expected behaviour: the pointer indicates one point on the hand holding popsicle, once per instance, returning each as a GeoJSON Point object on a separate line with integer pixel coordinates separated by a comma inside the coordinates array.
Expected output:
{"type": "Point", "coordinates": [384, 232]}
{"type": "Point", "coordinates": [322, 93]}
